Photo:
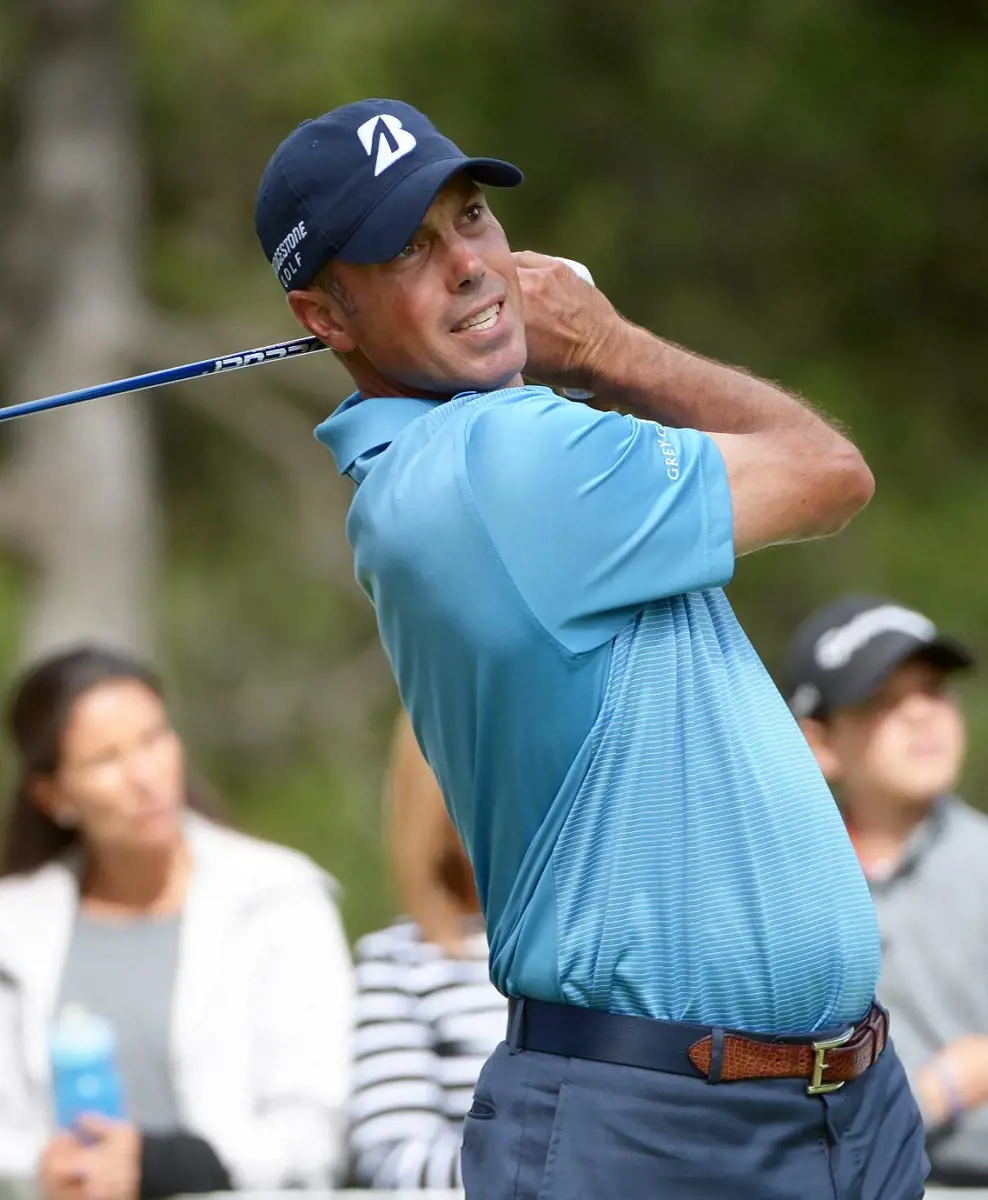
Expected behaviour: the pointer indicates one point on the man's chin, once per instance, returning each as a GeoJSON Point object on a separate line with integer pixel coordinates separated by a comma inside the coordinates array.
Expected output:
{"type": "Point", "coordinates": [492, 375]}
{"type": "Point", "coordinates": [511, 379]}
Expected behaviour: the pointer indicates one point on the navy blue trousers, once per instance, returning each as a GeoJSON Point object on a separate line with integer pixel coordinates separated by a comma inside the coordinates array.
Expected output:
{"type": "Point", "coordinates": [544, 1127]}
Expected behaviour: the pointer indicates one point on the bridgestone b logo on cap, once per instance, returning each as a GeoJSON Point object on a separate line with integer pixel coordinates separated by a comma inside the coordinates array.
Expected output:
{"type": "Point", "coordinates": [393, 140]}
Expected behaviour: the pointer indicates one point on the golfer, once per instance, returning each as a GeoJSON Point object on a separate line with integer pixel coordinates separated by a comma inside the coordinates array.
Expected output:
{"type": "Point", "coordinates": [673, 906]}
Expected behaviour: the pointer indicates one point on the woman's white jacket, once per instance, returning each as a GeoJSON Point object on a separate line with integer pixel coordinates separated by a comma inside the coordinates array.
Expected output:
{"type": "Point", "coordinates": [261, 1013]}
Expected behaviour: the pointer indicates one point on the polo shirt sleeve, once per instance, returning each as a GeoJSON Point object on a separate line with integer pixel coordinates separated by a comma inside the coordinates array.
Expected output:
{"type": "Point", "coordinates": [594, 514]}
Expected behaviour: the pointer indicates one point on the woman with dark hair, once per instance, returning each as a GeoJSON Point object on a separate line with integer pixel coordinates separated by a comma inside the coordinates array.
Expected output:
{"type": "Point", "coordinates": [428, 1016]}
{"type": "Point", "coordinates": [218, 959]}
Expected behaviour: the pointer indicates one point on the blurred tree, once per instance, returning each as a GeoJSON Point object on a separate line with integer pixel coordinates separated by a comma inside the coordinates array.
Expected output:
{"type": "Point", "coordinates": [78, 498]}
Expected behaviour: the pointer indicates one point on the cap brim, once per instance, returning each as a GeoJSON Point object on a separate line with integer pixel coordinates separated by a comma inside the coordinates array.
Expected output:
{"type": "Point", "coordinates": [890, 652]}
{"type": "Point", "coordinates": [388, 227]}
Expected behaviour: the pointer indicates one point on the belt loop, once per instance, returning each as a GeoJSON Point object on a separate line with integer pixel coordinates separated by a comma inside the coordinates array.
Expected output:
{"type": "Point", "coordinates": [514, 1028]}
{"type": "Point", "coordinates": [716, 1055]}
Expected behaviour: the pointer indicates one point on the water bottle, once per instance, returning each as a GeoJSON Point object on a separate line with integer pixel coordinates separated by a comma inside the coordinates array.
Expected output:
{"type": "Point", "coordinates": [85, 1075]}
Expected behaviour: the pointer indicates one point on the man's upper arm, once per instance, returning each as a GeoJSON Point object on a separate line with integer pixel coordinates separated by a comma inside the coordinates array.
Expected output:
{"type": "Point", "coordinates": [776, 484]}
{"type": "Point", "coordinates": [595, 514]}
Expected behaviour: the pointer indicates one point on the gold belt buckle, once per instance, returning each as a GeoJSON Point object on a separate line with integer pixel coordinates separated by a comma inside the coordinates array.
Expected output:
{"type": "Point", "coordinates": [816, 1086]}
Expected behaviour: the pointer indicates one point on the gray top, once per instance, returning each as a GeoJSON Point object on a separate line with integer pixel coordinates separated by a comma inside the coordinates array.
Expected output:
{"type": "Point", "coordinates": [933, 915]}
{"type": "Point", "coordinates": [125, 972]}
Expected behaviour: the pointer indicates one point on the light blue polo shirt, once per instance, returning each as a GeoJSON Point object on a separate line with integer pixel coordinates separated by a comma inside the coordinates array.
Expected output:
{"type": "Point", "coordinates": [649, 832]}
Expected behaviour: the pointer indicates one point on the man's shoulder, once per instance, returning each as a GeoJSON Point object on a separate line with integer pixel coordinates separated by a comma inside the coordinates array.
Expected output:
{"type": "Point", "coordinates": [428, 445]}
{"type": "Point", "coordinates": [530, 442]}
{"type": "Point", "coordinates": [474, 445]}
{"type": "Point", "coordinates": [512, 438]}
{"type": "Point", "coordinates": [959, 849]}
{"type": "Point", "coordinates": [501, 412]}
{"type": "Point", "coordinates": [968, 825]}
{"type": "Point", "coordinates": [512, 407]}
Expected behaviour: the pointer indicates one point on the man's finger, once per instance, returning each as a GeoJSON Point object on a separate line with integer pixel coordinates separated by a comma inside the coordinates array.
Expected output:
{"type": "Point", "coordinates": [530, 258]}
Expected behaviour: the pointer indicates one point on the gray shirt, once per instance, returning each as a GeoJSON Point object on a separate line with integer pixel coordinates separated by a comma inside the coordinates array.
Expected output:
{"type": "Point", "coordinates": [125, 972]}
{"type": "Point", "coordinates": [933, 915]}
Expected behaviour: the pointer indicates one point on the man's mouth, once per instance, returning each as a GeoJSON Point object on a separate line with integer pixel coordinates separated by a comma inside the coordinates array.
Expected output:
{"type": "Point", "coordinates": [480, 321]}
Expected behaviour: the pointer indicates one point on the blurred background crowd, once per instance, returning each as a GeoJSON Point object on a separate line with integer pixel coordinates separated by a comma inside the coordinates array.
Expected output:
{"type": "Point", "coordinates": [798, 186]}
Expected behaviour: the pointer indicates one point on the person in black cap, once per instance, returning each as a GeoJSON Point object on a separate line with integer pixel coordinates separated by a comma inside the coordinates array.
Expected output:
{"type": "Point", "coordinates": [666, 884]}
{"type": "Point", "coordinates": [869, 681]}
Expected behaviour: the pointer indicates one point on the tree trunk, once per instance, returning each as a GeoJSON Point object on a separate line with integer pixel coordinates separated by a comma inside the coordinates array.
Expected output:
{"type": "Point", "coordinates": [79, 494]}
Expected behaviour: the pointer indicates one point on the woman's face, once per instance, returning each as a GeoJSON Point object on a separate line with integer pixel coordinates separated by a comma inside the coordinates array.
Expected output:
{"type": "Point", "coordinates": [121, 775]}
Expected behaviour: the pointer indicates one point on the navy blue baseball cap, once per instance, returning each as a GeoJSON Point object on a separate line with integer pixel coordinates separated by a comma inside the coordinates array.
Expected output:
{"type": "Point", "coordinates": [355, 184]}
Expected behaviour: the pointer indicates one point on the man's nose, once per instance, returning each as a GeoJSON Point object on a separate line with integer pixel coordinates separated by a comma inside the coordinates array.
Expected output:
{"type": "Point", "coordinates": [466, 267]}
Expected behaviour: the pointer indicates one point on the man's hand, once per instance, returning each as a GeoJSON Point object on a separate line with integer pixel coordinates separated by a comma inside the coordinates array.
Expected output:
{"type": "Point", "coordinates": [62, 1170]}
{"type": "Point", "coordinates": [961, 1068]}
{"type": "Point", "coordinates": [567, 322]}
{"type": "Point", "coordinates": [112, 1159]}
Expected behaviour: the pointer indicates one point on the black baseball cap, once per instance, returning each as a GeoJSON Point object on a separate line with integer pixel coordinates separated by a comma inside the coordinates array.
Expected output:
{"type": "Point", "coordinates": [844, 652]}
{"type": "Point", "coordinates": [354, 185]}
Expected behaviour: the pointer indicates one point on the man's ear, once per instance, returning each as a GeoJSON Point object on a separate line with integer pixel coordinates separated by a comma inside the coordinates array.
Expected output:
{"type": "Point", "coordinates": [320, 313]}
{"type": "Point", "coordinates": [818, 736]}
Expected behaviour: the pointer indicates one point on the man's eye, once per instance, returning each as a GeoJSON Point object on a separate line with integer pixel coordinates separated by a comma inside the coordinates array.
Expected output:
{"type": "Point", "coordinates": [406, 251]}
{"type": "Point", "coordinates": [475, 212]}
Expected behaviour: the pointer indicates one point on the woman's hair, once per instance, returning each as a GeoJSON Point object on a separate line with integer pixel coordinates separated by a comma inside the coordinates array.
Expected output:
{"type": "Point", "coordinates": [37, 711]}
{"type": "Point", "coordinates": [430, 866]}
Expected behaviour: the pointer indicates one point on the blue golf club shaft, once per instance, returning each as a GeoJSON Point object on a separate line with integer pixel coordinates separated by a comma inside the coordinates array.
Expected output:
{"type": "Point", "coordinates": [139, 383]}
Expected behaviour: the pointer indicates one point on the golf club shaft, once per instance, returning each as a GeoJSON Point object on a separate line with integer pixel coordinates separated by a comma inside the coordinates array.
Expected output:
{"type": "Point", "coordinates": [139, 383]}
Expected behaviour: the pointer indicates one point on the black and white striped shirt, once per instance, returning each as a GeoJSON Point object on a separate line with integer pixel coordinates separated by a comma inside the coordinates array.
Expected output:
{"type": "Point", "coordinates": [425, 1026]}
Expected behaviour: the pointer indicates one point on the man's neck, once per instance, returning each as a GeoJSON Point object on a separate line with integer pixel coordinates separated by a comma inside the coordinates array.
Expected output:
{"type": "Point", "coordinates": [371, 384]}
{"type": "Point", "coordinates": [880, 826]}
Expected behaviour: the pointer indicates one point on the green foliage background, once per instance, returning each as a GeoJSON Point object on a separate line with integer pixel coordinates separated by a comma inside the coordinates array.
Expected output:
{"type": "Point", "coordinates": [800, 186]}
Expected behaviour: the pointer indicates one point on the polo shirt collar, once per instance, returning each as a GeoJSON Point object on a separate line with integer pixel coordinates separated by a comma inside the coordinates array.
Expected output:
{"type": "Point", "coordinates": [360, 428]}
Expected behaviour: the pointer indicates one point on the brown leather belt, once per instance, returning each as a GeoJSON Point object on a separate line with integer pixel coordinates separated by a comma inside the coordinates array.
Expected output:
{"type": "Point", "coordinates": [825, 1062]}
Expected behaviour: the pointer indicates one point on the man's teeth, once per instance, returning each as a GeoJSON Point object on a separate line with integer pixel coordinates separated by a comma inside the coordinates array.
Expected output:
{"type": "Point", "coordinates": [483, 320]}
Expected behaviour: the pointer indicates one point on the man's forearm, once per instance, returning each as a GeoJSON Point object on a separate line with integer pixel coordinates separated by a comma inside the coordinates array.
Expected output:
{"type": "Point", "coordinates": [640, 373]}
